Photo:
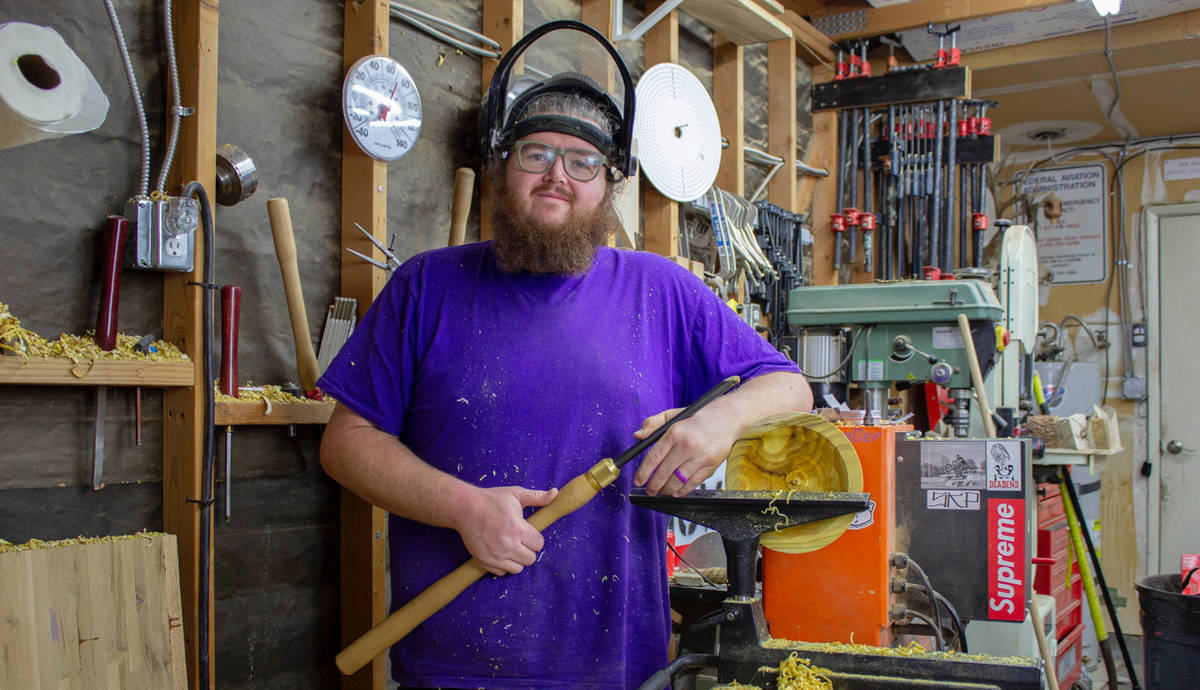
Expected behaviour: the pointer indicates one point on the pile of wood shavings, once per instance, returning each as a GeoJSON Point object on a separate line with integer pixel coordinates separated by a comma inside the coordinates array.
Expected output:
{"type": "Point", "coordinates": [269, 394]}
{"type": "Point", "coordinates": [37, 544]}
{"type": "Point", "coordinates": [794, 674]}
{"type": "Point", "coordinates": [18, 340]}
{"type": "Point", "coordinates": [911, 649]}
{"type": "Point", "coordinates": [799, 674]}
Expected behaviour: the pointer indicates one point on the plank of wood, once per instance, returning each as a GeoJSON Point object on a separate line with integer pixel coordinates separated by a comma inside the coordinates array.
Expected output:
{"type": "Point", "coordinates": [364, 200]}
{"type": "Point", "coordinates": [812, 45]}
{"type": "Point", "coordinates": [906, 87]}
{"type": "Point", "coordinates": [59, 371]}
{"type": "Point", "coordinates": [772, 7]}
{"type": "Point", "coordinates": [741, 21]}
{"type": "Point", "coordinates": [196, 41]}
{"type": "Point", "coordinates": [251, 413]}
{"type": "Point", "coordinates": [503, 22]}
{"type": "Point", "coordinates": [729, 98]}
{"type": "Point", "coordinates": [818, 194]}
{"type": "Point", "coordinates": [102, 615]}
{"type": "Point", "coordinates": [1119, 552]}
{"type": "Point", "coordinates": [841, 23]}
{"type": "Point", "coordinates": [1174, 27]}
{"type": "Point", "coordinates": [781, 122]}
{"type": "Point", "coordinates": [660, 215]}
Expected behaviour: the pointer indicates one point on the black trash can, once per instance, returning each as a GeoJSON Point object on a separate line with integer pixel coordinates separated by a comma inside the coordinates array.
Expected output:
{"type": "Point", "coordinates": [1171, 626]}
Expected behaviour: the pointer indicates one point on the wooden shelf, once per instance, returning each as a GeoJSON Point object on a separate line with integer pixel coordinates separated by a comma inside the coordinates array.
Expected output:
{"type": "Point", "coordinates": [1071, 456]}
{"type": "Point", "coordinates": [741, 21]}
{"type": "Point", "coordinates": [57, 371]}
{"type": "Point", "coordinates": [255, 413]}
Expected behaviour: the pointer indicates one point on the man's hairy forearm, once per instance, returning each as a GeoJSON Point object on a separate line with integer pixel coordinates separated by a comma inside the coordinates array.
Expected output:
{"type": "Point", "coordinates": [383, 471]}
{"type": "Point", "coordinates": [765, 395]}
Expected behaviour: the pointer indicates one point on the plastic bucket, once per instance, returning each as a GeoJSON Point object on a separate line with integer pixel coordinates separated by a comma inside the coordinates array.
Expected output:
{"type": "Point", "coordinates": [1171, 625]}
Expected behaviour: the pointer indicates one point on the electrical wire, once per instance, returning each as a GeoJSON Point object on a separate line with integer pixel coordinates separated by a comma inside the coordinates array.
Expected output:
{"type": "Point", "coordinates": [144, 183]}
{"type": "Point", "coordinates": [960, 632]}
{"type": "Point", "coordinates": [937, 631]}
{"type": "Point", "coordinates": [841, 364]}
{"type": "Point", "coordinates": [1111, 66]}
{"type": "Point", "coordinates": [683, 560]}
{"type": "Point", "coordinates": [413, 16]}
{"type": "Point", "coordinates": [206, 489]}
{"type": "Point", "coordinates": [937, 613]}
{"type": "Point", "coordinates": [176, 109]}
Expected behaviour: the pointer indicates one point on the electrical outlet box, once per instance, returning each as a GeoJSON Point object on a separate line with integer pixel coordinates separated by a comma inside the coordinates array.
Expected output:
{"type": "Point", "coordinates": [164, 232]}
{"type": "Point", "coordinates": [1137, 334]}
{"type": "Point", "coordinates": [1133, 388]}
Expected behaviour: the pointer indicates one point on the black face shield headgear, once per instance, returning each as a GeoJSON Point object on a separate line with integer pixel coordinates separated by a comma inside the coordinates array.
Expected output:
{"type": "Point", "coordinates": [501, 123]}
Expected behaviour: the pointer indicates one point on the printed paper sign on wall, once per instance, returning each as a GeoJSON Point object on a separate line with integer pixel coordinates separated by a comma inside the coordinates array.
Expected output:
{"type": "Point", "coordinates": [1071, 245]}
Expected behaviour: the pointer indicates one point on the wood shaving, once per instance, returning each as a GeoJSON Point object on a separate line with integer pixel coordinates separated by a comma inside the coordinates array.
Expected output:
{"type": "Point", "coordinates": [252, 393]}
{"type": "Point", "coordinates": [799, 674]}
{"type": "Point", "coordinates": [37, 544]}
{"type": "Point", "coordinates": [82, 350]}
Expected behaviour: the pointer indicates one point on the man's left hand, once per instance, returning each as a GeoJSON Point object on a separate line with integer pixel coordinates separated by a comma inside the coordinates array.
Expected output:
{"type": "Point", "coordinates": [687, 454]}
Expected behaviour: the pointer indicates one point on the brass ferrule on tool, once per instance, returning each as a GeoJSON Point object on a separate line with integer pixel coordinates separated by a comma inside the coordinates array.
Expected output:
{"type": "Point", "coordinates": [603, 473]}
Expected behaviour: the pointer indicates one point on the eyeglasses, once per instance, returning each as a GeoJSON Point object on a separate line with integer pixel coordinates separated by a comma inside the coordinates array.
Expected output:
{"type": "Point", "coordinates": [580, 164]}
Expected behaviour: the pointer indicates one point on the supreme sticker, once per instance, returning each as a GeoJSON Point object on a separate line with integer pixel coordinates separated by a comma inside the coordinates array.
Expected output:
{"type": "Point", "coordinates": [1006, 559]}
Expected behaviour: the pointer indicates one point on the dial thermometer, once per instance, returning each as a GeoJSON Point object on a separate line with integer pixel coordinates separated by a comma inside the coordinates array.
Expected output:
{"type": "Point", "coordinates": [381, 107]}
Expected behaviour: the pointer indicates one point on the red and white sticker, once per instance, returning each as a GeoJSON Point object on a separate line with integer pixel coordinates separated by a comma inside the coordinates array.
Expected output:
{"type": "Point", "coordinates": [1003, 466]}
{"type": "Point", "coordinates": [1006, 559]}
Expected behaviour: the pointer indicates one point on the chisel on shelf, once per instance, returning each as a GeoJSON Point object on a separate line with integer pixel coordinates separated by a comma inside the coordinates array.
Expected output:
{"type": "Point", "coordinates": [231, 307]}
{"type": "Point", "coordinates": [113, 247]}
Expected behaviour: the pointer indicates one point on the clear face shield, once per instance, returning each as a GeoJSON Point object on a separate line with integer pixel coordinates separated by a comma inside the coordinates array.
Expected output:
{"type": "Point", "coordinates": [557, 62]}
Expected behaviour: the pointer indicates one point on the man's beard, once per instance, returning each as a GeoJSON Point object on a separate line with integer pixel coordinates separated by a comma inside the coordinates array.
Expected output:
{"type": "Point", "coordinates": [522, 243]}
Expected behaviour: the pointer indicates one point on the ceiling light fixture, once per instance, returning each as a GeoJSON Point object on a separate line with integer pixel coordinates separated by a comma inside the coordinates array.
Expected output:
{"type": "Point", "coordinates": [1106, 7]}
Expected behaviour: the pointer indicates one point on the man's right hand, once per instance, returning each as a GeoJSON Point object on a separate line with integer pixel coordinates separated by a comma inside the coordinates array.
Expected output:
{"type": "Point", "coordinates": [493, 527]}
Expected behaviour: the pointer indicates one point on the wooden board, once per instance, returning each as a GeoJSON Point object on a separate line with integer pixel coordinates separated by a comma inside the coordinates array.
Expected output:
{"type": "Point", "coordinates": [102, 616]}
{"type": "Point", "coordinates": [741, 21]}
{"type": "Point", "coordinates": [196, 42]}
{"type": "Point", "coordinates": [255, 412]}
{"type": "Point", "coordinates": [903, 87]}
{"type": "Point", "coordinates": [57, 371]}
{"type": "Point", "coordinates": [364, 200]}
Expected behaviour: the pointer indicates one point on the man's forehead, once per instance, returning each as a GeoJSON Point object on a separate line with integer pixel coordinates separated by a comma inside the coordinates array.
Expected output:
{"type": "Point", "coordinates": [561, 140]}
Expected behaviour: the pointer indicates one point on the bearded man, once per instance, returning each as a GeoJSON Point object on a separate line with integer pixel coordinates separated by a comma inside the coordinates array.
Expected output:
{"type": "Point", "coordinates": [486, 375]}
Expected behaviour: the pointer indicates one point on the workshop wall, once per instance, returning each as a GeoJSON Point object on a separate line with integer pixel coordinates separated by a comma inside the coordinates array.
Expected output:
{"type": "Point", "coordinates": [280, 69]}
{"type": "Point", "coordinates": [1122, 514]}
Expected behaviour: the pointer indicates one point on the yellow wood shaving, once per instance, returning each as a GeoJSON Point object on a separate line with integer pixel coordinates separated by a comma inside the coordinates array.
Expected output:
{"type": "Point", "coordinates": [82, 350]}
{"type": "Point", "coordinates": [37, 544]}
{"type": "Point", "coordinates": [267, 394]}
{"type": "Point", "coordinates": [799, 674]}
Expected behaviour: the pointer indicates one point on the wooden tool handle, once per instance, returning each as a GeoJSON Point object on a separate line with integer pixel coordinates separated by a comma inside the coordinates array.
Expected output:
{"type": "Point", "coordinates": [985, 409]}
{"type": "Point", "coordinates": [570, 498]}
{"type": "Point", "coordinates": [231, 311]}
{"type": "Point", "coordinates": [113, 247]}
{"type": "Point", "coordinates": [464, 187]}
{"type": "Point", "coordinates": [285, 251]}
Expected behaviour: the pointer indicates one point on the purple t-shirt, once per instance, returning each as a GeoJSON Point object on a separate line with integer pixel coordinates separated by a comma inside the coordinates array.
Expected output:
{"type": "Point", "coordinates": [503, 379]}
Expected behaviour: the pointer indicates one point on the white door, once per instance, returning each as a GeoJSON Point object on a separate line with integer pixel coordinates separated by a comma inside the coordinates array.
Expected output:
{"type": "Point", "coordinates": [1175, 453]}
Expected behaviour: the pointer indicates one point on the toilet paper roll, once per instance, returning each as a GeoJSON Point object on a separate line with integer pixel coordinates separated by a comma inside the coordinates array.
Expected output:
{"type": "Point", "coordinates": [45, 89]}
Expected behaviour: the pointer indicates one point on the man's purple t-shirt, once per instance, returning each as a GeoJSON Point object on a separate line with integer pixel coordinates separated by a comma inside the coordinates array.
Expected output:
{"type": "Point", "coordinates": [513, 379]}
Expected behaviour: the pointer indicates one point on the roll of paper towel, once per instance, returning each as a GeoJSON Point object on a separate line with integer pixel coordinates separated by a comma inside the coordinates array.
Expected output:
{"type": "Point", "coordinates": [45, 89]}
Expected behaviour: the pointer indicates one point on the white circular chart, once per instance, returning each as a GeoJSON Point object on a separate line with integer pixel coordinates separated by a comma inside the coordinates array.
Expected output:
{"type": "Point", "coordinates": [677, 132]}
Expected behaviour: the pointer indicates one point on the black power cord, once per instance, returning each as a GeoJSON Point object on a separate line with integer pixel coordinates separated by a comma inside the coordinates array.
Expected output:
{"type": "Point", "coordinates": [933, 600]}
{"type": "Point", "coordinates": [206, 499]}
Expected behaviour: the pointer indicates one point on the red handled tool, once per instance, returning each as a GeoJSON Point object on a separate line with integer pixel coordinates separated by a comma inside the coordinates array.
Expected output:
{"type": "Point", "coordinates": [112, 248]}
{"type": "Point", "coordinates": [231, 309]}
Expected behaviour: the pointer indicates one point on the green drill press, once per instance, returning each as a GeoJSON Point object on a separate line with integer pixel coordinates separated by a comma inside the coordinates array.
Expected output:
{"type": "Point", "coordinates": [878, 335]}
